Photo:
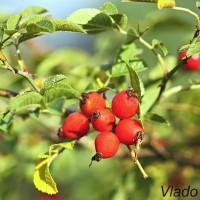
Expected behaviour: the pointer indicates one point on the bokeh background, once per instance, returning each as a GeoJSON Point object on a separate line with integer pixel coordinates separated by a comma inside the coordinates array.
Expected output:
{"type": "Point", "coordinates": [170, 154]}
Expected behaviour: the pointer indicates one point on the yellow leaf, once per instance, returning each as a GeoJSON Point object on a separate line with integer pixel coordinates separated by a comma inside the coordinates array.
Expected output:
{"type": "Point", "coordinates": [165, 4]}
{"type": "Point", "coordinates": [42, 178]}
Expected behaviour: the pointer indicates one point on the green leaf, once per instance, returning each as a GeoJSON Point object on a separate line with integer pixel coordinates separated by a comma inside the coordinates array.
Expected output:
{"type": "Point", "coordinates": [120, 69]}
{"type": "Point", "coordinates": [13, 21]}
{"type": "Point", "coordinates": [129, 51]}
{"type": "Point", "coordinates": [56, 105]}
{"type": "Point", "coordinates": [43, 25]}
{"type": "Point", "coordinates": [194, 49]}
{"type": "Point", "coordinates": [109, 8]}
{"type": "Point", "coordinates": [42, 178]}
{"type": "Point", "coordinates": [60, 90]}
{"type": "Point", "coordinates": [35, 113]}
{"type": "Point", "coordinates": [24, 100]}
{"type": "Point", "coordinates": [66, 25]}
{"type": "Point", "coordinates": [1, 34]}
{"type": "Point", "coordinates": [10, 32]}
{"type": "Point", "coordinates": [149, 98]}
{"type": "Point", "coordinates": [120, 19]}
{"type": "Point", "coordinates": [185, 47]}
{"type": "Point", "coordinates": [52, 80]}
{"type": "Point", "coordinates": [198, 4]}
{"type": "Point", "coordinates": [6, 120]}
{"type": "Point", "coordinates": [136, 83]}
{"type": "Point", "coordinates": [28, 36]}
{"type": "Point", "coordinates": [92, 20]}
{"type": "Point", "coordinates": [159, 45]}
{"type": "Point", "coordinates": [32, 10]}
{"type": "Point", "coordinates": [131, 36]}
{"type": "Point", "coordinates": [156, 118]}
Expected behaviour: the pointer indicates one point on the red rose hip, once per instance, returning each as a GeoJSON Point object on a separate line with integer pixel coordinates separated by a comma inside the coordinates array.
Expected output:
{"type": "Point", "coordinates": [193, 63]}
{"type": "Point", "coordinates": [106, 145]}
{"type": "Point", "coordinates": [129, 131]}
{"type": "Point", "coordinates": [76, 125]}
{"type": "Point", "coordinates": [125, 104]}
{"type": "Point", "coordinates": [103, 120]}
{"type": "Point", "coordinates": [91, 102]}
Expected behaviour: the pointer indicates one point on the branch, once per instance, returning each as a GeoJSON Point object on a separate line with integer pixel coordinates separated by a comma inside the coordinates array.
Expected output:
{"type": "Point", "coordinates": [25, 74]}
{"type": "Point", "coordinates": [7, 93]}
{"type": "Point", "coordinates": [165, 80]}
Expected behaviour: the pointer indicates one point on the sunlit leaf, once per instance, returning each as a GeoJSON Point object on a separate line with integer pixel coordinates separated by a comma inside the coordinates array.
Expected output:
{"type": "Point", "coordinates": [109, 8]}
{"type": "Point", "coordinates": [52, 80]}
{"type": "Point", "coordinates": [92, 20]}
{"type": "Point", "coordinates": [66, 25]}
{"type": "Point", "coordinates": [60, 90]}
{"type": "Point", "coordinates": [193, 49]}
{"type": "Point", "coordinates": [13, 22]}
{"type": "Point", "coordinates": [42, 178]}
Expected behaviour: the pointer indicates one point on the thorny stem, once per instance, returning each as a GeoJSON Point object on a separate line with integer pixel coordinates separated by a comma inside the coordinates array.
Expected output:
{"type": "Point", "coordinates": [22, 73]}
{"type": "Point", "coordinates": [190, 12]}
{"type": "Point", "coordinates": [19, 55]}
{"type": "Point", "coordinates": [159, 57]}
{"type": "Point", "coordinates": [165, 81]}
{"type": "Point", "coordinates": [134, 157]}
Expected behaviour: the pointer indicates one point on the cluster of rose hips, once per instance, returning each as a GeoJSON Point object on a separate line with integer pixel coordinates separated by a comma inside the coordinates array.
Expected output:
{"type": "Point", "coordinates": [93, 108]}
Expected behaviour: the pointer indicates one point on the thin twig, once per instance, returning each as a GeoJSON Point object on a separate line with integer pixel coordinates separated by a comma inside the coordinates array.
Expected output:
{"type": "Point", "coordinates": [136, 161]}
{"type": "Point", "coordinates": [164, 82]}
{"type": "Point", "coordinates": [26, 75]}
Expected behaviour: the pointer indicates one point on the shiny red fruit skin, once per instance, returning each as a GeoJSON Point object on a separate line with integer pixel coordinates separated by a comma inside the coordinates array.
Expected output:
{"type": "Point", "coordinates": [103, 120]}
{"type": "Point", "coordinates": [76, 125]}
{"type": "Point", "coordinates": [106, 144]}
{"type": "Point", "coordinates": [126, 131]}
{"type": "Point", "coordinates": [193, 63]}
{"type": "Point", "coordinates": [124, 106]}
{"type": "Point", "coordinates": [92, 102]}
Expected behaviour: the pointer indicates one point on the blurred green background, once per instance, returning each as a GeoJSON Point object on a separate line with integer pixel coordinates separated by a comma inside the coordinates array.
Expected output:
{"type": "Point", "coordinates": [170, 154]}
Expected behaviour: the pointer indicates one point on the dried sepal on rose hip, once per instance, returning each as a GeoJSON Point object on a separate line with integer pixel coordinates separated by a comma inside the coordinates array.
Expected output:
{"type": "Point", "coordinates": [125, 104]}
{"type": "Point", "coordinates": [91, 102]}
{"type": "Point", "coordinates": [75, 126]}
{"type": "Point", "coordinates": [129, 131]}
{"type": "Point", "coordinates": [103, 120]}
{"type": "Point", "coordinates": [106, 145]}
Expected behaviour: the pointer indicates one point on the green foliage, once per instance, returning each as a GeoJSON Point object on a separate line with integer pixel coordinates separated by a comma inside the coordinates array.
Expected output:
{"type": "Point", "coordinates": [136, 82]}
{"type": "Point", "coordinates": [158, 44]}
{"type": "Point", "coordinates": [92, 20]}
{"type": "Point", "coordinates": [25, 100]}
{"type": "Point", "coordinates": [198, 4]}
{"type": "Point", "coordinates": [193, 49]}
{"type": "Point", "coordinates": [109, 8]}
{"type": "Point", "coordinates": [66, 25]}
{"type": "Point", "coordinates": [59, 90]}
{"type": "Point", "coordinates": [29, 121]}
{"type": "Point", "coordinates": [153, 117]}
